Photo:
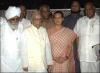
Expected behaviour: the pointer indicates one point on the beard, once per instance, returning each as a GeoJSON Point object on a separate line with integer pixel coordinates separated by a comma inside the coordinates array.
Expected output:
{"type": "Point", "coordinates": [13, 25]}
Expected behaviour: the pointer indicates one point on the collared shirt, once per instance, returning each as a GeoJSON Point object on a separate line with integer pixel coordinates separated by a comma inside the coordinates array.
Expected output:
{"type": "Point", "coordinates": [10, 51]}
{"type": "Point", "coordinates": [70, 20]}
{"type": "Point", "coordinates": [88, 32]}
{"type": "Point", "coordinates": [36, 49]}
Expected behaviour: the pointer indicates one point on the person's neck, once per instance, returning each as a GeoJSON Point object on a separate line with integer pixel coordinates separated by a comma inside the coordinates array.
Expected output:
{"type": "Point", "coordinates": [46, 19]}
{"type": "Point", "coordinates": [91, 17]}
{"type": "Point", "coordinates": [37, 26]}
{"type": "Point", "coordinates": [75, 13]}
{"type": "Point", "coordinates": [22, 18]}
{"type": "Point", "coordinates": [58, 27]}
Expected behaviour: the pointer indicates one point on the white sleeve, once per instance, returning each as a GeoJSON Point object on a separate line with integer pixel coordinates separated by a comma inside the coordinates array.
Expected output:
{"type": "Point", "coordinates": [76, 28]}
{"type": "Point", "coordinates": [3, 21]}
{"type": "Point", "coordinates": [48, 51]}
{"type": "Point", "coordinates": [24, 52]}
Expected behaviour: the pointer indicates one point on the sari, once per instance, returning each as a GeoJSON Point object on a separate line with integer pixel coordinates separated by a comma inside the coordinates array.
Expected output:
{"type": "Point", "coordinates": [61, 44]}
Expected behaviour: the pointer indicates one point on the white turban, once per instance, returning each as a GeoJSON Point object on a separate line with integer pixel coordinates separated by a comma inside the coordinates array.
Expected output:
{"type": "Point", "coordinates": [12, 11]}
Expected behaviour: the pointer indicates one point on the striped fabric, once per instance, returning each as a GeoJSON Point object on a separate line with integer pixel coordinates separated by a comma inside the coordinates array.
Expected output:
{"type": "Point", "coordinates": [61, 42]}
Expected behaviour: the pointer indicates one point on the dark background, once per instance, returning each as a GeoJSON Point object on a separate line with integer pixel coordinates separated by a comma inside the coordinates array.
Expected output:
{"type": "Point", "coordinates": [54, 4]}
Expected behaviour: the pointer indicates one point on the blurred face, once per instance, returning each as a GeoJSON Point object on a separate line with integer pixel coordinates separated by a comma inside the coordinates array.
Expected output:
{"type": "Point", "coordinates": [58, 19]}
{"type": "Point", "coordinates": [89, 10]}
{"type": "Point", "coordinates": [75, 7]}
{"type": "Point", "coordinates": [37, 20]}
{"type": "Point", "coordinates": [23, 12]}
{"type": "Point", "coordinates": [14, 20]}
{"type": "Point", "coordinates": [44, 12]}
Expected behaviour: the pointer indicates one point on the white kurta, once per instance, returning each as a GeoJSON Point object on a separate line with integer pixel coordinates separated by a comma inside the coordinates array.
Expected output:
{"type": "Point", "coordinates": [2, 21]}
{"type": "Point", "coordinates": [36, 49]}
{"type": "Point", "coordinates": [25, 22]}
{"type": "Point", "coordinates": [89, 35]}
{"type": "Point", "coordinates": [10, 51]}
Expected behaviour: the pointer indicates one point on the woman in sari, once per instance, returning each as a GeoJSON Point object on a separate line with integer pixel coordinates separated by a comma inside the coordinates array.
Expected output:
{"type": "Point", "coordinates": [61, 39]}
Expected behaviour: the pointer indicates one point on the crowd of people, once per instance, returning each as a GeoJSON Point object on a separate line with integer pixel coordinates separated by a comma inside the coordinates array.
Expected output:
{"type": "Point", "coordinates": [50, 42]}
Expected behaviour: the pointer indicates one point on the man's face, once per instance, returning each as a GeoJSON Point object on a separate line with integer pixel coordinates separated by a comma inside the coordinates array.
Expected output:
{"type": "Point", "coordinates": [23, 11]}
{"type": "Point", "coordinates": [14, 20]}
{"type": "Point", "coordinates": [45, 12]}
{"type": "Point", "coordinates": [89, 10]}
{"type": "Point", "coordinates": [37, 20]}
{"type": "Point", "coordinates": [75, 7]}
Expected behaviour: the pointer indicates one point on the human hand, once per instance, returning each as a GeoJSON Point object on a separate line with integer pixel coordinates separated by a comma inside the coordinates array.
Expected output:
{"type": "Point", "coordinates": [25, 69]}
{"type": "Point", "coordinates": [60, 59]}
{"type": "Point", "coordinates": [50, 67]}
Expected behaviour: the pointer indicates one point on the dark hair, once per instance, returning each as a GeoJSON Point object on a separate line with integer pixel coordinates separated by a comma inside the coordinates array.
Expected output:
{"type": "Point", "coordinates": [58, 12]}
{"type": "Point", "coordinates": [89, 2]}
{"type": "Point", "coordinates": [75, 1]}
{"type": "Point", "coordinates": [44, 5]}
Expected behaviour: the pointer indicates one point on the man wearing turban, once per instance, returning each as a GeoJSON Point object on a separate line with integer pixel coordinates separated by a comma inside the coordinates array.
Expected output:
{"type": "Point", "coordinates": [10, 40]}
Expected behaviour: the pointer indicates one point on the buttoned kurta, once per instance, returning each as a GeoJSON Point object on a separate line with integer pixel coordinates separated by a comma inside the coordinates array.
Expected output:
{"type": "Point", "coordinates": [36, 49]}
{"type": "Point", "coordinates": [89, 35]}
{"type": "Point", "coordinates": [10, 51]}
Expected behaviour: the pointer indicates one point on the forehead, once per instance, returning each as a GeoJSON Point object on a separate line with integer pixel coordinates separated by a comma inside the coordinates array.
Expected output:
{"type": "Point", "coordinates": [44, 8]}
{"type": "Point", "coordinates": [89, 5]}
{"type": "Point", "coordinates": [75, 3]}
{"type": "Point", "coordinates": [57, 15]}
{"type": "Point", "coordinates": [22, 8]}
{"type": "Point", "coordinates": [36, 15]}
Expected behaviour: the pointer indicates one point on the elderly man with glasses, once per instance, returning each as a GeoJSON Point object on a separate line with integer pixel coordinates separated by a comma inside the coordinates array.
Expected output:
{"type": "Point", "coordinates": [36, 47]}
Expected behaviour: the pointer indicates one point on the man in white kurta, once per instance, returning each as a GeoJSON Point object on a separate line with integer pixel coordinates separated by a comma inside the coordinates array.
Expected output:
{"type": "Point", "coordinates": [23, 20]}
{"type": "Point", "coordinates": [36, 47]}
{"type": "Point", "coordinates": [10, 41]}
{"type": "Point", "coordinates": [87, 29]}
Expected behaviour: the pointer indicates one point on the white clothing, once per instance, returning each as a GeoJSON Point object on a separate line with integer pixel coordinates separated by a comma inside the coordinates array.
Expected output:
{"type": "Point", "coordinates": [36, 49]}
{"type": "Point", "coordinates": [10, 51]}
{"type": "Point", "coordinates": [90, 67]}
{"type": "Point", "coordinates": [12, 11]}
{"type": "Point", "coordinates": [88, 32]}
{"type": "Point", "coordinates": [25, 22]}
{"type": "Point", "coordinates": [2, 21]}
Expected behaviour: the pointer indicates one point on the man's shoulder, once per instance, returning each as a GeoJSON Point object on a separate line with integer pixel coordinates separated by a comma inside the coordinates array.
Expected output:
{"type": "Point", "coordinates": [2, 20]}
{"type": "Point", "coordinates": [67, 17]}
{"type": "Point", "coordinates": [82, 18]}
{"type": "Point", "coordinates": [25, 20]}
{"type": "Point", "coordinates": [43, 28]}
{"type": "Point", "coordinates": [97, 16]}
{"type": "Point", "coordinates": [27, 29]}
